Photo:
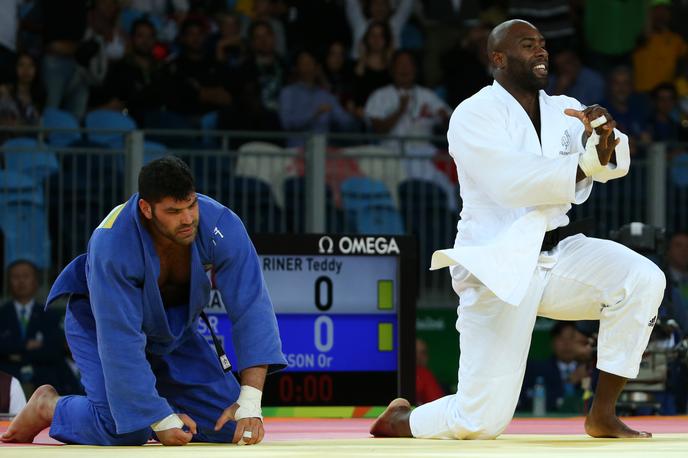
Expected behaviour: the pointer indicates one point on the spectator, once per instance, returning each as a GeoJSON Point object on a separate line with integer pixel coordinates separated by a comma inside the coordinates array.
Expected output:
{"type": "Point", "coordinates": [372, 67]}
{"type": "Point", "coordinates": [572, 78]}
{"type": "Point", "coordinates": [676, 308]}
{"type": "Point", "coordinates": [12, 398]}
{"type": "Point", "coordinates": [229, 47]}
{"type": "Point", "coordinates": [167, 13]}
{"type": "Point", "coordinates": [64, 79]}
{"type": "Point", "coordinates": [427, 387]}
{"type": "Point", "coordinates": [677, 264]}
{"type": "Point", "coordinates": [262, 11]}
{"type": "Point", "coordinates": [564, 372]}
{"type": "Point", "coordinates": [102, 22]}
{"type": "Point", "coordinates": [258, 85]}
{"type": "Point", "coordinates": [195, 83]}
{"type": "Point", "coordinates": [27, 91]}
{"type": "Point", "coordinates": [360, 19]}
{"type": "Point", "coordinates": [445, 23]}
{"type": "Point", "coordinates": [664, 125]}
{"type": "Point", "coordinates": [32, 346]}
{"type": "Point", "coordinates": [406, 109]}
{"type": "Point", "coordinates": [9, 25]}
{"type": "Point", "coordinates": [466, 66]}
{"type": "Point", "coordinates": [135, 81]}
{"type": "Point", "coordinates": [628, 108]}
{"type": "Point", "coordinates": [102, 43]}
{"type": "Point", "coordinates": [306, 106]}
{"type": "Point", "coordinates": [656, 59]}
{"type": "Point", "coordinates": [339, 75]}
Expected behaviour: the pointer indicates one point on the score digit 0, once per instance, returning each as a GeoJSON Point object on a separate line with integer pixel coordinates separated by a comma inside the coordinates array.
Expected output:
{"type": "Point", "coordinates": [319, 282]}
{"type": "Point", "coordinates": [323, 340]}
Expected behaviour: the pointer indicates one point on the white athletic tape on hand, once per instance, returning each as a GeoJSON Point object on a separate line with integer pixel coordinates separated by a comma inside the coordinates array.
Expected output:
{"type": "Point", "coordinates": [246, 435]}
{"type": "Point", "coordinates": [589, 161]}
{"type": "Point", "coordinates": [249, 403]}
{"type": "Point", "coordinates": [597, 122]}
{"type": "Point", "coordinates": [169, 422]}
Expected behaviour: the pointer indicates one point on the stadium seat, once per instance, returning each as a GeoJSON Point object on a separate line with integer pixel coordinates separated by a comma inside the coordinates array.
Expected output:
{"type": "Point", "coordinates": [679, 170]}
{"type": "Point", "coordinates": [253, 200]}
{"type": "Point", "coordinates": [152, 151]}
{"type": "Point", "coordinates": [209, 121]}
{"type": "Point", "coordinates": [22, 220]}
{"type": "Point", "coordinates": [379, 163]}
{"type": "Point", "coordinates": [54, 118]}
{"type": "Point", "coordinates": [294, 189]}
{"type": "Point", "coordinates": [27, 156]}
{"type": "Point", "coordinates": [369, 208]}
{"type": "Point", "coordinates": [109, 120]}
{"type": "Point", "coordinates": [269, 162]}
{"type": "Point", "coordinates": [19, 187]}
{"type": "Point", "coordinates": [426, 214]}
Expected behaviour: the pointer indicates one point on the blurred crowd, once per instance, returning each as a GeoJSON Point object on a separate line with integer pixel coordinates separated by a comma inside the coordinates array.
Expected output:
{"type": "Point", "coordinates": [383, 66]}
{"type": "Point", "coordinates": [331, 65]}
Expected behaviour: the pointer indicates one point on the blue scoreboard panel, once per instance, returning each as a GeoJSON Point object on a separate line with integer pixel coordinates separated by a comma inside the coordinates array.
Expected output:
{"type": "Point", "coordinates": [345, 306]}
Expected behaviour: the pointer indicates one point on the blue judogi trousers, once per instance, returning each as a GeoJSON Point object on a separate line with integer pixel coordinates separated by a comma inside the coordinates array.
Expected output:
{"type": "Point", "coordinates": [189, 378]}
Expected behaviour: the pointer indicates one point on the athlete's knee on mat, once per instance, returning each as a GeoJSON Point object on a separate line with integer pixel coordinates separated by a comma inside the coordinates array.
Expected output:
{"type": "Point", "coordinates": [487, 429]}
{"type": "Point", "coordinates": [138, 437]}
{"type": "Point", "coordinates": [109, 436]}
{"type": "Point", "coordinates": [488, 424]}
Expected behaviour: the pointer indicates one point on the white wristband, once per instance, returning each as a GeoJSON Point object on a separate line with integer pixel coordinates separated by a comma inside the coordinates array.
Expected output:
{"type": "Point", "coordinates": [589, 161]}
{"type": "Point", "coordinates": [249, 403]}
{"type": "Point", "coordinates": [169, 422]}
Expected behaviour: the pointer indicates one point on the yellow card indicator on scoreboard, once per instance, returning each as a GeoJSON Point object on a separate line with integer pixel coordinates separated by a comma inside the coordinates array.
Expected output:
{"type": "Point", "coordinates": [385, 295]}
{"type": "Point", "coordinates": [385, 336]}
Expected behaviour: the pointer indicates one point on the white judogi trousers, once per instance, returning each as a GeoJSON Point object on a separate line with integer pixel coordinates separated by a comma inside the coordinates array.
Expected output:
{"type": "Point", "coordinates": [580, 279]}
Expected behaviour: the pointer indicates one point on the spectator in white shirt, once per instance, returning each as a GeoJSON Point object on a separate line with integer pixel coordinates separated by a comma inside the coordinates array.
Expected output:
{"type": "Point", "coordinates": [404, 108]}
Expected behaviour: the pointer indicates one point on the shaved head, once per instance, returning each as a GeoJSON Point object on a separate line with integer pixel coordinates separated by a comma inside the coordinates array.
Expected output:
{"type": "Point", "coordinates": [496, 39]}
{"type": "Point", "coordinates": [517, 55]}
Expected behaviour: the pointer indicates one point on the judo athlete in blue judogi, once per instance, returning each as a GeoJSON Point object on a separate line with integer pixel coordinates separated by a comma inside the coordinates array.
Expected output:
{"type": "Point", "coordinates": [133, 306]}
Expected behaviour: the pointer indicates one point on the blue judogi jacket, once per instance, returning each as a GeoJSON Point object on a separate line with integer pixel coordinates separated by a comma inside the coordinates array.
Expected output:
{"type": "Point", "coordinates": [119, 275]}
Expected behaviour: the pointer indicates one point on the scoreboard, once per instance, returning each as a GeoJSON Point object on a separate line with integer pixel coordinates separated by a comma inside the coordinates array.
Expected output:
{"type": "Point", "coordinates": [345, 308]}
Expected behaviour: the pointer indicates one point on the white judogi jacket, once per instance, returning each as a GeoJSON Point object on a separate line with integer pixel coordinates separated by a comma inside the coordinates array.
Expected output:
{"type": "Point", "coordinates": [514, 189]}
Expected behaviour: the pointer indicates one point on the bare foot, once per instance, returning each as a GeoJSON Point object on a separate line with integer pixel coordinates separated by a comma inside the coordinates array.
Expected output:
{"type": "Point", "coordinates": [394, 421]}
{"type": "Point", "coordinates": [34, 417]}
{"type": "Point", "coordinates": [610, 426]}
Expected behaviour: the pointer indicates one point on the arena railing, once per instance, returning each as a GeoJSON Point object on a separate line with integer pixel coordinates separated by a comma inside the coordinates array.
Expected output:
{"type": "Point", "coordinates": [285, 182]}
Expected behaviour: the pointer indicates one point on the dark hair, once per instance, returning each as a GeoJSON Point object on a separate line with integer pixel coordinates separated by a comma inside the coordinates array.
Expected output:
{"type": "Point", "coordinates": [664, 87]}
{"type": "Point", "coordinates": [400, 53]}
{"type": "Point", "coordinates": [256, 25]}
{"type": "Point", "coordinates": [37, 90]}
{"type": "Point", "coordinates": [189, 24]}
{"type": "Point", "coordinates": [142, 22]}
{"type": "Point", "coordinates": [386, 32]}
{"type": "Point", "coordinates": [560, 326]}
{"type": "Point", "coordinates": [168, 176]}
{"type": "Point", "coordinates": [18, 262]}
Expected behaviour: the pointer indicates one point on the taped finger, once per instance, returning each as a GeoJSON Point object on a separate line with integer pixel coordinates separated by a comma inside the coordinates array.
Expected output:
{"type": "Point", "coordinates": [597, 122]}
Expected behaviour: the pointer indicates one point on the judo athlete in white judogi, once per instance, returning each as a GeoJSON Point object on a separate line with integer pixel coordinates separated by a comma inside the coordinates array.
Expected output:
{"type": "Point", "coordinates": [132, 325]}
{"type": "Point", "coordinates": [523, 159]}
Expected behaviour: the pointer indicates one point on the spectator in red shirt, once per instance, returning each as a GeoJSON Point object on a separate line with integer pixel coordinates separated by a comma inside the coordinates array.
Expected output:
{"type": "Point", "coordinates": [427, 387]}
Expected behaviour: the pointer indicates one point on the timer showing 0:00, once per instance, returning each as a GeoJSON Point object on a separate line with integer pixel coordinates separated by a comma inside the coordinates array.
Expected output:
{"type": "Point", "coordinates": [311, 388]}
